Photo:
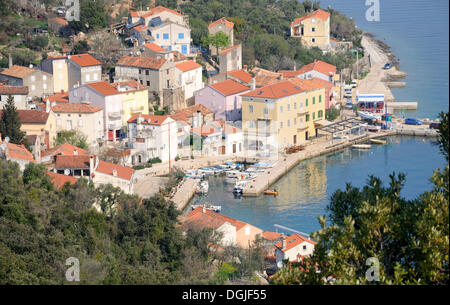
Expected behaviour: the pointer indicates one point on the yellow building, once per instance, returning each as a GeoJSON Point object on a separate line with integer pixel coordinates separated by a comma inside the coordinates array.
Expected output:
{"type": "Point", "coordinates": [41, 123]}
{"type": "Point", "coordinates": [282, 114]}
{"type": "Point", "coordinates": [57, 66]}
{"type": "Point", "coordinates": [313, 29]}
{"type": "Point", "coordinates": [134, 98]}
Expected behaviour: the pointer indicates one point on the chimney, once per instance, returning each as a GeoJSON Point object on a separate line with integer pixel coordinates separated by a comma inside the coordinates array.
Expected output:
{"type": "Point", "coordinates": [47, 106]}
{"type": "Point", "coordinates": [295, 66]}
{"type": "Point", "coordinates": [245, 68]}
{"type": "Point", "coordinates": [114, 172]}
{"type": "Point", "coordinates": [91, 164]}
{"type": "Point", "coordinates": [75, 152]}
{"type": "Point", "coordinates": [283, 243]}
{"type": "Point", "coordinates": [253, 84]}
{"type": "Point", "coordinates": [203, 210]}
{"type": "Point", "coordinates": [10, 61]}
{"type": "Point", "coordinates": [199, 118]}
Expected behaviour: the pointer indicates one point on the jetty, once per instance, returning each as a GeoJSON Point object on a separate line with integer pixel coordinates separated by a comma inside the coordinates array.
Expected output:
{"type": "Point", "coordinates": [402, 105]}
{"type": "Point", "coordinates": [184, 192]}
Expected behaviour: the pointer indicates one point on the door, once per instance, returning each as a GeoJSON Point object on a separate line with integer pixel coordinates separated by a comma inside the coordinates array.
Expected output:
{"type": "Point", "coordinates": [223, 150]}
{"type": "Point", "coordinates": [295, 139]}
{"type": "Point", "coordinates": [184, 49]}
{"type": "Point", "coordinates": [234, 148]}
{"type": "Point", "coordinates": [306, 136]}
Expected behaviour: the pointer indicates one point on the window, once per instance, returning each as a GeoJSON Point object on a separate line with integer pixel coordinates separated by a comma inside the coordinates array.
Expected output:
{"type": "Point", "coordinates": [45, 86]}
{"type": "Point", "coordinates": [166, 36]}
{"type": "Point", "coordinates": [314, 115]}
{"type": "Point", "coordinates": [314, 100]}
{"type": "Point", "coordinates": [146, 72]}
{"type": "Point", "coordinates": [140, 71]}
{"type": "Point", "coordinates": [33, 87]}
{"type": "Point", "coordinates": [320, 113]}
{"type": "Point", "coordinates": [304, 247]}
{"type": "Point", "coordinates": [281, 124]}
{"type": "Point", "coordinates": [157, 36]}
{"type": "Point", "coordinates": [58, 122]}
{"type": "Point", "coordinates": [69, 125]}
{"type": "Point", "coordinates": [313, 40]}
{"type": "Point", "coordinates": [288, 123]}
{"type": "Point", "coordinates": [320, 98]}
{"type": "Point", "coordinates": [295, 105]}
{"type": "Point", "coordinates": [266, 110]}
{"type": "Point", "coordinates": [250, 108]}
{"type": "Point", "coordinates": [295, 121]}
{"type": "Point", "coordinates": [281, 109]}
{"type": "Point", "coordinates": [95, 76]}
{"type": "Point", "coordinates": [44, 77]}
{"type": "Point", "coordinates": [289, 107]}
{"type": "Point", "coordinates": [80, 123]}
{"type": "Point", "coordinates": [148, 83]}
{"type": "Point", "coordinates": [307, 118]}
{"type": "Point", "coordinates": [180, 35]}
{"type": "Point", "coordinates": [313, 29]}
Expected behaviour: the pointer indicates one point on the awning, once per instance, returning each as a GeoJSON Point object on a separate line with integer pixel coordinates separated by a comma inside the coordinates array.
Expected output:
{"type": "Point", "coordinates": [321, 123]}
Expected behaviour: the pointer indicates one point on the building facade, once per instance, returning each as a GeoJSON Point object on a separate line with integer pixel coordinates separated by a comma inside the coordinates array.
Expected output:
{"type": "Point", "coordinates": [83, 69]}
{"type": "Point", "coordinates": [313, 29]}
{"type": "Point", "coordinates": [39, 83]}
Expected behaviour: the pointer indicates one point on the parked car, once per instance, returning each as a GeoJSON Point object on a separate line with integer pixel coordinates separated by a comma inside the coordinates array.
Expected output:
{"type": "Point", "coordinates": [354, 84]}
{"type": "Point", "coordinates": [434, 125]}
{"type": "Point", "coordinates": [349, 104]}
{"type": "Point", "coordinates": [387, 66]}
{"type": "Point", "coordinates": [412, 121]}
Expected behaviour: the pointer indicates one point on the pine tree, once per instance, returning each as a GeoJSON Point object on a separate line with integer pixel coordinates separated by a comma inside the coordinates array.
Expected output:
{"type": "Point", "coordinates": [10, 123]}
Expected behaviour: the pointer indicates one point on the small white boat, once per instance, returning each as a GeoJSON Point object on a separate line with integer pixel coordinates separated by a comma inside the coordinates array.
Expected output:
{"type": "Point", "coordinates": [194, 174]}
{"type": "Point", "coordinates": [202, 188]}
{"type": "Point", "coordinates": [361, 146]}
{"type": "Point", "coordinates": [377, 141]}
{"type": "Point", "coordinates": [369, 115]}
{"type": "Point", "coordinates": [239, 186]}
{"type": "Point", "coordinates": [209, 206]}
{"type": "Point", "coordinates": [207, 171]}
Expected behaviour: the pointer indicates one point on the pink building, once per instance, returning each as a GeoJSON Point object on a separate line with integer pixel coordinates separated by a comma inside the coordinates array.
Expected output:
{"type": "Point", "coordinates": [223, 98]}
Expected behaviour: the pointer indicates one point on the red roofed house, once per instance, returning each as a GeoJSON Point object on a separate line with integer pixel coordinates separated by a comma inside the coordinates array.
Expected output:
{"type": "Point", "coordinates": [240, 76]}
{"type": "Point", "coordinates": [19, 94]}
{"type": "Point", "coordinates": [97, 171]}
{"type": "Point", "coordinates": [15, 153]}
{"type": "Point", "coordinates": [234, 232]}
{"type": "Point", "coordinates": [65, 149]}
{"type": "Point", "coordinates": [190, 77]}
{"type": "Point", "coordinates": [232, 138]}
{"type": "Point", "coordinates": [189, 114]}
{"type": "Point", "coordinates": [39, 83]}
{"type": "Point", "coordinates": [221, 25]}
{"type": "Point", "coordinates": [223, 98]}
{"type": "Point", "coordinates": [59, 180]}
{"type": "Point", "coordinates": [59, 68]}
{"type": "Point", "coordinates": [152, 136]}
{"type": "Point", "coordinates": [230, 58]}
{"type": "Point", "coordinates": [293, 248]}
{"type": "Point", "coordinates": [318, 69]}
{"type": "Point", "coordinates": [83, 69]}
{"type": "Point", "coordinates": [313, 29]}
{"type": "Point", "coordinates": [87, 119]}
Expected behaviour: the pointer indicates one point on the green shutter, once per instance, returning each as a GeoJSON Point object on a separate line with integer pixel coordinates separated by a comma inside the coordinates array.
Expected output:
{"type": "Point", "coordinates": [314, 115]}
{"type": "Point", "coordinates": [306, 102]}
{"type": "Point", "coordinates": [314, 100]}
{"type": "Point", "coordinates": [320, 98]}
{"type": "Point", "coordinates": [307, 118]}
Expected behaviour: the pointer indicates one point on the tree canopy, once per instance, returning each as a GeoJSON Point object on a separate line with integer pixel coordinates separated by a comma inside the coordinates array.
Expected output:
{"type": "Point", "coordinates": [10, 123]}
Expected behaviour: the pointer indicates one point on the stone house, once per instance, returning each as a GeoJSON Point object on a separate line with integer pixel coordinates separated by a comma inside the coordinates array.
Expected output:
{"type": "Point", "coordinates": [39, 83]}
{"type": "Point", "coordinates": [83, 69]}
{"type": "Point", "coordinates": [230, 59]}
{"type": "Point", "coordinates": [313, 29]}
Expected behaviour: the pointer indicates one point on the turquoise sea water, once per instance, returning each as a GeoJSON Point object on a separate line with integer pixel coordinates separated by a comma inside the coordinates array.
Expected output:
{"type": "Point", "coordinates": [305, 191]}
{"type": "Point", "coordinates": [417, 31]}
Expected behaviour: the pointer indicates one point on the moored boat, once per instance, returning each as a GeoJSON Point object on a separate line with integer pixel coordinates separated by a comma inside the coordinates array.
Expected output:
{"type": "Point", "coordinates": [271, 192]}
{"type": "Point", "coordinates": [377, 141]}
{"type": "Point", "coordinates": [361, 146]}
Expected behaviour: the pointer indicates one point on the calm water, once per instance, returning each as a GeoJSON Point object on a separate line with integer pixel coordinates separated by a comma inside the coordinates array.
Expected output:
{"type": "Point", "coordinates": [418, 33]}
{"type": "Point", "coordinates": [305, 191]}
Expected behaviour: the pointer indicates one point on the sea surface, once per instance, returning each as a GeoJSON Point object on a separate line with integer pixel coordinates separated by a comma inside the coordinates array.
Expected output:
{"type": "Point", "coordinates": [418, 33]}
{"type": "Point", "coordinates": [304, 191]}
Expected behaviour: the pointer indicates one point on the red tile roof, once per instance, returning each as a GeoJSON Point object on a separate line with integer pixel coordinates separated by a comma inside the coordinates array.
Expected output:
{"type": "Point", "coordinates": [319, 66]}
{"type": "Point", "coordinates": [189, 111]}
{"type": "Point", "coordinates": [222, 20]}
{"type": "Point", "coordinates": [211, 219]}
{"type": "Point", "coordinates": [321, 14]}
{"type": "Point", "coordinates": [229, 49]}
{"type": "Point", "coordinates": [59, 20]}
{"type": "Point", "coordinates": [242, 76]}
{"type": "Point", "coordinates": [154, 47]}
{"type": "Point", "coordinates": [74, 161]}
{"type": "Point", "coordinates": [229, 87]}
{"type": "Point", "coordinates": [109, 169]}
{"type": "Point", "coordinates": [188, 65]}
{"type": "Point", "coordinates": [276, 91]}
{"type": "Point", "coordinates": [179, 117]}
{"type": "Point", "coordinates": [292, 241]}
{"type": "Point", "coordinates": [13, 90]}
{"type": "Point", "coordinates": [85, 60]}
{"type": "Point", "coordinates": [104, 88]}
{"type": "Point", "coordinates": [310, 84]}
{"type": "Point", "coordinates": [159, 9]}
{"type": "Point", "coordinates": [75, 108]}
{"type": "Point", "coordinates": [272, 235]}
{"type": "Point", "coordinates": [204, 130]}
{"type": "Point", "coordinates": [289, 73]}
{"type": "Point", "coordinates": [18, 71]}
{"type": "Point", "coordinates": [133, 84]}
{"type": "Point", "coordinates": [33, 116]}
{"type": "Point", "coordinates": [59, 97]}
{"type": "Point", "coordinates": [141, 62]}
{"type": "Point", "coordinates": [18, 152]}
{"type": "Point", "coordinates": [149, 119]}
{"type": "Point", "coordinates": [134, 14]}
{"type": "Point", "coordinates": [60, 180]}
{"type": "Point", "coordinates": [65, 149]}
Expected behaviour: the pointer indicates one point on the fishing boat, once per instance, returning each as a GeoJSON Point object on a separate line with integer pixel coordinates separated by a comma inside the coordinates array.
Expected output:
{"type": "Point", "coordinates": [239, 186]}
{"type": "Point", "coordinates": [361, 146]}
{"type": "Point", "coordinates": [202, 188]}
{"type": "Point", "coordinates": [207, 171]}
{"type": "Point", "coordinates": [369, 115]}
{"type": "Point", "coordinates": [209, 206]}
{"type": "Point", "coordinates": [194, 174]}
{"type": "Point", "coordinates": [271, 192]}
{"type": "Point", "coordinates": [377, 141]}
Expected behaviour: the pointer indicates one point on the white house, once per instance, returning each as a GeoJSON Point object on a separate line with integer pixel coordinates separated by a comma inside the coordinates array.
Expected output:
{"type": "Point", "coordinates": [232, 138]}
{"type": "Point", "coordinates": [15, 153]}
{"type": "Point", "coordinates": [18, 93]}
{"type": "Point", "coordinates": [318, 69]}
{"type": "Point", "coordinates": [152, 136]}
{"type": "Point", "coordinates": [293, 248]}
{"type": "Point", "coordinates": [172, 36]}
{"type": "Point", "coordinates": [190, 77]}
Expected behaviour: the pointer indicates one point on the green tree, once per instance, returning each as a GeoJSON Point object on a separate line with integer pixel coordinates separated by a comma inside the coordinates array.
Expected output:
{"type": "Point", "coordinates": [76, 138]}
{"type": "Point", "coordinates": [10, 123]}
{"type": "Point", "coordinates": [443, 134]}
{"type": "Point", "coordinates": [219, 40]}
{"type": "Point", "coordinates": [92, 16]}
{"type": "Point", "coordinates": [81, 47]}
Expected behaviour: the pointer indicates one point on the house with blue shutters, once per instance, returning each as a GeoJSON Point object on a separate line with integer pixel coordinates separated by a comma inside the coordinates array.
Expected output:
{"type": "Point", "coordinates": [172, 36]}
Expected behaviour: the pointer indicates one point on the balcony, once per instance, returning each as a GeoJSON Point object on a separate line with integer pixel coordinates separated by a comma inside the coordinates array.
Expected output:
{"type": "Point", "coordinates": [302, 127]}
{"type": "Point", "coordinates": [115, 115]}
{"type": "Point", "coordinates": [302, 112]}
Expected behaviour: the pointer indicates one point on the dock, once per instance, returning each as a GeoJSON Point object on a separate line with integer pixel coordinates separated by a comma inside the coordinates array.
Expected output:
{"type": "Point", "coordinates": [184, 193]}
{"type": "Point", "coordinates": [402, 105]}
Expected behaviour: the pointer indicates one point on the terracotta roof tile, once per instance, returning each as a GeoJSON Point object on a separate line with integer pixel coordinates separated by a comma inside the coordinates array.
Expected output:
{"type": "Point", "coordinates": [276, 91]}
{"type": "Point", "coordinates": [319, 66]}
{"type": "Point", "coordinates": [33, 116]}
{"type": "Point", "coordinates": [157, 10]}
{"type": "Point", "coordinates": [75, 108]}
{"type": "Point", "coordinates": [18, 152]}
{"type": "Point", "coordinates": [222, 20]}
{"type": "Point", "coordinates": [104, 88]}
{"type": "Point", "coordinates": [60, 180]}
{"type": "Point", "coordinates": [72, 162]}
{"type": "Point", "coordinates": [129, 85]}
{"type": "Point", "coordinates": [85, 60]}
{"type": "Point", "coordinates": [229, 87]}
{"type": "Point", "coordinates": [18, 71]}
{"type": "Point", "coordinates": [59, 97]}
{"type": "Point", "coordinates": [141, 62]}
{"type": "Point", "coordinates": [211, 219]}
{"type": "Point", "coordinates": [109, 169]}
{"type": "Point", "coordinates": [13, 90]}
{"type": "Point", "coordinates": [65, 149]}
{"type": "Point", "coordinates": [188, 65]}
{"type": "Point", "coordinates": [272, 235]}
{"type": "Point", "coordinates": [321, 14]}
{"type": "Point", "coordinates": [154, 47]}
{"type": "Point", "coordinates": [242, 76]}
{"type": "Point", "coordinates": [204, 130]}
{"type": "Point", "coordinates": [292, 241]}
{"type": "Point", "coordinates": [289, 73]}
{"type": "Point", "coordinates": [189, 111]}
{"type": "Point", "coordinates": [149, 119]}
{"type": "Point", "coordinates": [310, 84]}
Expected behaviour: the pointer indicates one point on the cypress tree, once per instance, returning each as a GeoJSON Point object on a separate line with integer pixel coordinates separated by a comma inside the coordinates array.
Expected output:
{"type": "Point", "coordinates": [10, 123]}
